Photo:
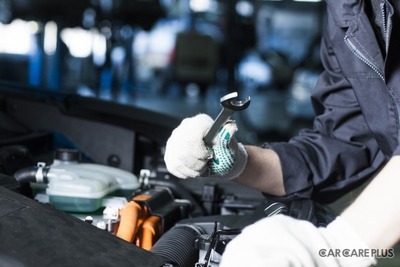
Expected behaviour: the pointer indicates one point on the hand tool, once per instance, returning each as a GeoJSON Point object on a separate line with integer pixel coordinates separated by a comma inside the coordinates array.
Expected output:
{"type": "Point", "coordinates": [229, 106]}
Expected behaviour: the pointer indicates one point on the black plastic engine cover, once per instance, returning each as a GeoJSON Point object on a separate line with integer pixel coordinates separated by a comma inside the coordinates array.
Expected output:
{"type": "Point", "coordinates": [34, 234]}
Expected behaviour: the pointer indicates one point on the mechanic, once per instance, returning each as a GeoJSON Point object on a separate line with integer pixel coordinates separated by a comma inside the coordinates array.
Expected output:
{"type": "Point", "coordinates": [356, 128]}
{"type": "Point", "coordinates": [355, 134]}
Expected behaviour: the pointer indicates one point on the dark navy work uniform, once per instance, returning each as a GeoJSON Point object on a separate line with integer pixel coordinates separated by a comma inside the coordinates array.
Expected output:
{"type": "Point", "coordinates": [356, 100]}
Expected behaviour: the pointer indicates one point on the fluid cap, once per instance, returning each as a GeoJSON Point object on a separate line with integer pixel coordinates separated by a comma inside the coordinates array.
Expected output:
{"type": "Point", "coordinates": [69, 155]}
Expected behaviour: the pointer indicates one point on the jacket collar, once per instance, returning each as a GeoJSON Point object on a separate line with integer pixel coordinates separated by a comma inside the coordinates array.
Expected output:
{"type": "Point", "coordinates": [344, 11]}
{"type": "Point", "coordinates": [349, 15]}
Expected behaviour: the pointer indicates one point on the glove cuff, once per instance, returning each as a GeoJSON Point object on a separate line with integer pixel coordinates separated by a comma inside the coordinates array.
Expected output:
{"type": "Point", "coordinates": [239, 164]}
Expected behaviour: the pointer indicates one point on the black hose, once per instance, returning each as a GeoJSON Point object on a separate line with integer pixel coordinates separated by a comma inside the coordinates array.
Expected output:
{"type": "Point", "coordinates": [178, 245]}
{"type": "Point", "coordinates": [24, 177]}
{"type": "Point", "coordinates": [28, 174]}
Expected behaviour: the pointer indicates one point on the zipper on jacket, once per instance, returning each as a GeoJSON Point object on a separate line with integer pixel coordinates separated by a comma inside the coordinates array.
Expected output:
{"type": "Point", "coordinates": [382, 5]}
{"type": "Point", "coordinates": [385, 25]}
{"type": "Point", "coordinates": [358, 54]}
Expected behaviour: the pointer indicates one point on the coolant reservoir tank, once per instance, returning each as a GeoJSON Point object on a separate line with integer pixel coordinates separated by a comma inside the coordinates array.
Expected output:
{"type": "Point", "coordinates": [81, 187]}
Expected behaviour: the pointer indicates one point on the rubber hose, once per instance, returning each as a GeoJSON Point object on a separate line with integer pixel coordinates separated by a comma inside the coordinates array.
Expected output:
{"type": "Point", "coordinates": [26, 175]}
{"type": "Point", "coordinates": [177, 245]}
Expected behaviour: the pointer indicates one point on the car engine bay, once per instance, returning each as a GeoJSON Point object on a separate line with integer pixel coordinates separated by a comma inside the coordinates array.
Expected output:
{"type": "Point", "coordinates": [94, 171]}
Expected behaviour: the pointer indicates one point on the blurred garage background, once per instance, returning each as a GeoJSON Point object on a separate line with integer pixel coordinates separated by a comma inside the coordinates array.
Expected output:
{"type": "Point", "coordinates": [173, 56]}
{"type": "Point", "coordinates": [176, 57]}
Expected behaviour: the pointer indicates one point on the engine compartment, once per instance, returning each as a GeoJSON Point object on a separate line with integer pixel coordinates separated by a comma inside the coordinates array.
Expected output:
{"type": "Point", "coordinates": [102, 163]}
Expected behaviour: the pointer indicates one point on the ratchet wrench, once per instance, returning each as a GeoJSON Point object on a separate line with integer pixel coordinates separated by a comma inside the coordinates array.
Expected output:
{"type": "Point", "coordinates": [229, 106]}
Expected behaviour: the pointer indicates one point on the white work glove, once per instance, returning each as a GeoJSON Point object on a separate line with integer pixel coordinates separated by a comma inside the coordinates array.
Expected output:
{"type": "Point", "coordinates": [187, 156]}
{"type": "Point", "coordinates": [282, 241]}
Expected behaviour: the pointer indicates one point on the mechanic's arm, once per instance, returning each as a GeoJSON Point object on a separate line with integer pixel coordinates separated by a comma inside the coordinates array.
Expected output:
{"type": "Point", "coordinates": [339, 152]}
{"type": "Point", "coordinates": [375, 214]}
{"type": "Point", "coordinates": [262, 171]}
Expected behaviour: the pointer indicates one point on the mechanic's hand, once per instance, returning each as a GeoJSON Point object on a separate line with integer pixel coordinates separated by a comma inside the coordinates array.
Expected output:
{"type": "Point", "coordinates": [284, 241]}
{"type": "Point", "coordinates": [187, 155]}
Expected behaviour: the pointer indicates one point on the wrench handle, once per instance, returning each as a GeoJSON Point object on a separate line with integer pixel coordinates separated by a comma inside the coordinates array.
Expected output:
{"type": "Point", "coordinates": [219, 122]}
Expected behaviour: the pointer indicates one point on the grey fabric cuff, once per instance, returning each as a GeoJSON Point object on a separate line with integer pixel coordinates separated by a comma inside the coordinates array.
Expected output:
{"type": "Point", "coordinates": [239, 165]}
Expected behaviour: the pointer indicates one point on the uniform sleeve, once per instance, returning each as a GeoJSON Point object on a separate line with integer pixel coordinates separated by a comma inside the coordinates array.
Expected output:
{"type": "Point", "coordinates": [283, 241]}
{"type": "Point", "coordinates": [340, 152]}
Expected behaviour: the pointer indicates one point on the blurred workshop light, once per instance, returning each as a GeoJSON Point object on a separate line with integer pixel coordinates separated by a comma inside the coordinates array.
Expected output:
{"type": "Point", "coordinates": [154, 48]}
{"type": "Point", "coordinates": [99, 48]}
{"type": "Point", "coordinates": [83, 43]}
{"type": "Point", "coordinates": [200, 5]}
{"type": "Point", "coordinates": [118, 55]}
{"type": "Point", "coordinates": [140, 43]}
{"type": "Point", "coordinates": [21, 43]}
{"type": "Point", "coordinates": [33, 27]}
{"type": "Point", "coordinates": [244, 8]}
{"type": "Point", "coordinates": [253, 71]}
{"type": "Point", "coordinates": [50, 38]}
